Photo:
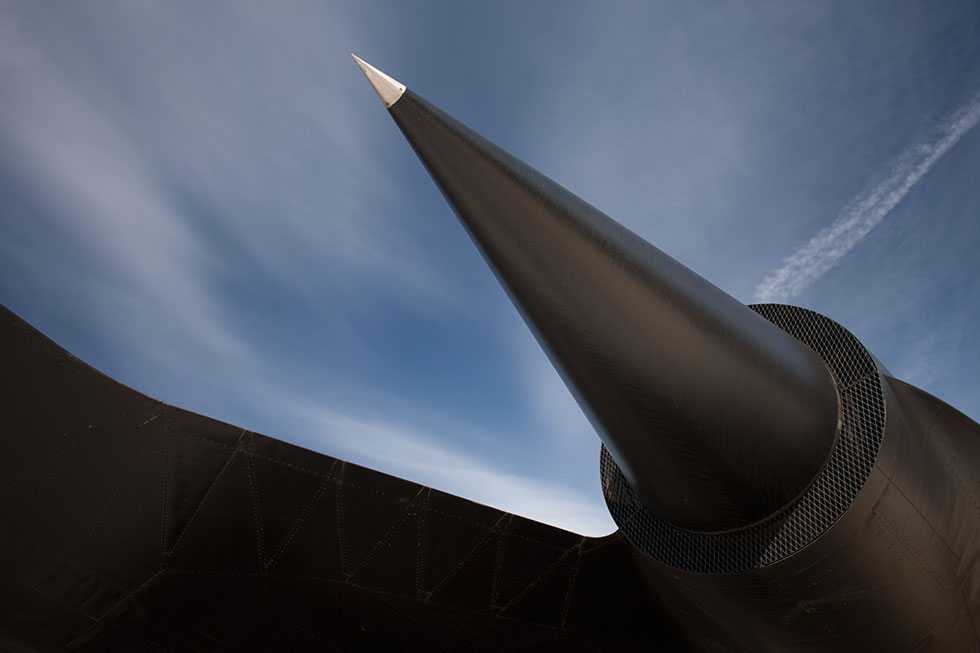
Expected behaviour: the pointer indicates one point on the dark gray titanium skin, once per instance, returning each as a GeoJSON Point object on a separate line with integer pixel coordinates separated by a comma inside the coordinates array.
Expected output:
{"type": "Point", "coordinates": [717, 418]}
{"type": "Point", "coordinates": [721, 419]}
{"type": "Point", "coordinates": [899, 572]}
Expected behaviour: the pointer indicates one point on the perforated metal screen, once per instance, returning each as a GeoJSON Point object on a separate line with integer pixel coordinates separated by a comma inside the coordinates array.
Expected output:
{"type": "Point", "coordinates": [821, 505]}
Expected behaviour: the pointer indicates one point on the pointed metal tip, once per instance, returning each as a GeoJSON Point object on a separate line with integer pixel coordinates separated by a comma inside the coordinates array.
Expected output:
{"type": "Point", "coordinates": [387, 88]}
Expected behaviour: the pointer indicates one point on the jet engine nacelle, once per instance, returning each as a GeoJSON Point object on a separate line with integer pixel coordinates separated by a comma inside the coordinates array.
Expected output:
{"type": "Point", "coordinates": [880, 552]}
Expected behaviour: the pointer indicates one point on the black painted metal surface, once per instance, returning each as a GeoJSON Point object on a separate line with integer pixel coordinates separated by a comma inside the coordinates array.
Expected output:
{"type": "Point", "coordinates": [127, 525]}
{"type": "Point", "coordinates": [717, 418]}
{"type": "Point", "coordinates": [821, 505]}
{"type": "Point", "coordinates": [899, 572]}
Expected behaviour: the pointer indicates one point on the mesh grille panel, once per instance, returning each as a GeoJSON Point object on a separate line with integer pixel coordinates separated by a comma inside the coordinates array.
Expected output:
{"type": "Point", "coordinates": [824, 502]}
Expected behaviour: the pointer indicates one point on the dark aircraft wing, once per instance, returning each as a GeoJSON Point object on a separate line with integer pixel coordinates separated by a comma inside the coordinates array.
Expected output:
{"type": "Point", "coordinates": [130, 525]}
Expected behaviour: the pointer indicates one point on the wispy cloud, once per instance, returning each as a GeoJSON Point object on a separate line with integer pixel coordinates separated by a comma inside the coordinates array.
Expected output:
{"type": "Point", "coordinates": [210, 204]}
{"type": "Point", "coordinates": [178, 193]}
{"type": "Point", "coordinates": [102, 198]}
{"type": "Point", "coordinates": [427, 458]}
{"type": "Point", "coordinates": [822, 252]}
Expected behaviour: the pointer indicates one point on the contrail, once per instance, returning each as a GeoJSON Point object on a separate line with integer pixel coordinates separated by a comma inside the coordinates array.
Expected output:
{"type": "Point", "coordinates": [866, 211]}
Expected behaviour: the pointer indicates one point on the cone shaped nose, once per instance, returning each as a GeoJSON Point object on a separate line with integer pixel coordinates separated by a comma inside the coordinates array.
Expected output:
{"type": "Point", "coordinates": [388, 88]}
{"type": "Point", "coordinates": [717, 418]}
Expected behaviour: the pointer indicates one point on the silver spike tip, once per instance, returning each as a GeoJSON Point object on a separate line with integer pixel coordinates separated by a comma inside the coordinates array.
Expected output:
{"type": "Point", "coordinates": [387, 88]}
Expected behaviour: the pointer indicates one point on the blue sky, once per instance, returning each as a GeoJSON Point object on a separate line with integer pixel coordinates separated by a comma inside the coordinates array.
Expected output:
{"type": "Point", "coordinates": [207, 201]}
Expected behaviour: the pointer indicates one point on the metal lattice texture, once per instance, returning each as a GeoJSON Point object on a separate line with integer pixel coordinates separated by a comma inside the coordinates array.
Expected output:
{"type": "Point", "coordinates": [820, 506]}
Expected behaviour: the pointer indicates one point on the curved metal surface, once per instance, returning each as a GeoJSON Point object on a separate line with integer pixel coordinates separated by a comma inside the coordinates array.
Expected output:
{"type": "Point", "coordinates": [899, 572]}
{"type": "Point", "coordinates": [718, 418]}
{"type": "Point", "coordinates": [131, 526]}
{"type": "Point", "coordinates": [822, 504]}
